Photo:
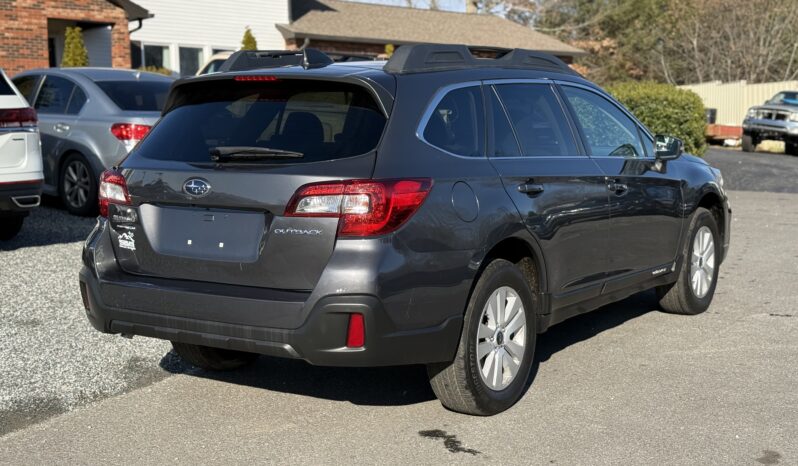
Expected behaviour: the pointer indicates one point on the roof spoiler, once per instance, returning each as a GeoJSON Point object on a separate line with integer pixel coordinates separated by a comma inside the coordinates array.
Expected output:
{"type": "Point", "coordinates": [422, 58]}
{"type": "Point", "coordinates": [245, 60]}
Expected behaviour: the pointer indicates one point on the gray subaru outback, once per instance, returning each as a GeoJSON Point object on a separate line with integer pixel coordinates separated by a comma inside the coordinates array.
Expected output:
{"type": "Point", "coordinates": [438, 208]}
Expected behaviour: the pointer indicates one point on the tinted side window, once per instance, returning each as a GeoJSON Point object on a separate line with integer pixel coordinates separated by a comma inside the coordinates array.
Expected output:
{"type": "Point", "coordinates": [457, 124]}
{"type": "Point", "coordinates": [538, 119]}
{"type": "Point", "coordinates": [608, 131]}
{"type": "Point", "coordinates": [504, 142]}
{"type": "Point", "coordinates": [5, 89]}
{"type": "Point", "coordinates": [26, 86]}
{"type": "Point", "coordinates": [77, 101]}
{"type": "Point", "coordinates": [54, 95]}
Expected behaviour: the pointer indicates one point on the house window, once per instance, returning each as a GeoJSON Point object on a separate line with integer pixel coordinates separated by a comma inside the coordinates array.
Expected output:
{"type": "Point", "coordinates": [157, 55]}
{"type": "Point", "coordinates": [190, 60]}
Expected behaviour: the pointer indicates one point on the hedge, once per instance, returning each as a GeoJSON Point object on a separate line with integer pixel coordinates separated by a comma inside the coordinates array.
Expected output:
{"type": "Point", "coordinates": [666, 109]}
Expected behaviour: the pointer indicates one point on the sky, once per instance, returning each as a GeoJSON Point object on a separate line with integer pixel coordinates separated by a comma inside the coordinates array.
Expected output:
{"type": "Point", "coordinates": [451, 5]}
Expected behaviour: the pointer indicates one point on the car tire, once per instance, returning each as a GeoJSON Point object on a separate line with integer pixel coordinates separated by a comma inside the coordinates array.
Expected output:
{"type": "Point", "coordinates": [749, 145]}
{"type": "Point", "coordinates": [77, 186]}
{"type": "Point", "coordinates": [213, 359]}
{"type": "Point", "coordinates": [464, 384]}
{"type": "Point", "coordinates": [791, 148]}
{"type": "Point", "coordinates": [10, 227]}
{"type": "Point", "coordinates": [692, 292]}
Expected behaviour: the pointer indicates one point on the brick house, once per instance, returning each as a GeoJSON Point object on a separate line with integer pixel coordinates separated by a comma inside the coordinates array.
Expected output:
{"type": "Point", "coordinates": [32, 32]}
{"type": "Point", "coordinates": [337, 26]}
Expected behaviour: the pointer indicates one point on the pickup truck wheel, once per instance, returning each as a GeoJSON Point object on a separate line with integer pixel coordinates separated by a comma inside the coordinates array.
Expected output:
{"type": "Point", "coordinates": [213, 359]}
{"type": "Point", "coordinates": [692, 293]}
{"type": "Point", "coordinates": [791, 148]}
{"type": "Point", "coordinates": [490, 370]}
{"type": "Point", "coordinates": [10, 226]}
{"type": "Point", "coordinates": [749, 145]}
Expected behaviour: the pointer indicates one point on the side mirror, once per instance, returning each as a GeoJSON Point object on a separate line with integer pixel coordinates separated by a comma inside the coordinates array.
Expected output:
{"type": "Point", "coordinates": [668, 147]}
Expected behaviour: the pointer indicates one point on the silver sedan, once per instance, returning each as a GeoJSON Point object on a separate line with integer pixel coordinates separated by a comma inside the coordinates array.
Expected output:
{"type": "Point", "coordinates": [89, 119]}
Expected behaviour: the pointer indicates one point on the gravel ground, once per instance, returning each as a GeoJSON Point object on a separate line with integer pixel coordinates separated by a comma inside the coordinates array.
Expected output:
{"type": "Point", "coordinates": [51, 359]}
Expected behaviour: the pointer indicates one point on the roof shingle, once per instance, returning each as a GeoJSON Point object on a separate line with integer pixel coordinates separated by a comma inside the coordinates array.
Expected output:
{"type": "Point", "coordinates": [363, 22]}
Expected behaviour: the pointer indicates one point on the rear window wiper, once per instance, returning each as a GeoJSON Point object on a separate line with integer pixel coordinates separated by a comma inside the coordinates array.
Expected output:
{"type": "Point", "coordinates": [231, 153]}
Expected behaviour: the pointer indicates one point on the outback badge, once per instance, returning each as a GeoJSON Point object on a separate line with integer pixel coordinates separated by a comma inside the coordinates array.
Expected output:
{"type": "Point", "coordinates": [196, 187]}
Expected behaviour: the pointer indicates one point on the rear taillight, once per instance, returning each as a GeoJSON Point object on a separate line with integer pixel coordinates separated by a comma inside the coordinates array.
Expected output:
{"type": "Point", "coordinates": [364, 207]}
{"type": "Point", "coordinates": [129, 133]}
{"type": "Point", "coordinates": [18, 118]}
{"type": "Point", "coordinates": [113, 190]}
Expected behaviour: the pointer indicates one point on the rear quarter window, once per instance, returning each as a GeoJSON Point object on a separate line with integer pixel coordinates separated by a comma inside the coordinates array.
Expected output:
{"type": "Point", "coordinates": [322, 120]}
{"type": "Point", "coordinates": [5, 88]}
{"type": "Point", "coordinates": [457, 123]}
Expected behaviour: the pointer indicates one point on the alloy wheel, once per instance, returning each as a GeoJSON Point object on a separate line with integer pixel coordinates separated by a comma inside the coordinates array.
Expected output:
{"type": "Point", "coordinates": [501, 338]}
{"type": "Point", "coordinates": [702, 262]}
{"type": "Point", "coordinates": [77, 184]}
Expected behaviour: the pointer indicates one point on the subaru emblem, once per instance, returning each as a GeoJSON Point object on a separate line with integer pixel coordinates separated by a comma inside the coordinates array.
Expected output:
{"type": "Point", "coordinates": [196, 187]}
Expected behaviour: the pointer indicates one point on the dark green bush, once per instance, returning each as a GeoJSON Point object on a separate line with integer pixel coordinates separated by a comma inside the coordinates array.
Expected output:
{"type": "Point", "coordinates": [666, 109]}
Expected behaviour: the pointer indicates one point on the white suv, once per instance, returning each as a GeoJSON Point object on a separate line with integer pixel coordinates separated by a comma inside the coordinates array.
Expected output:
{"type": "Point", "coordinates": [20, 159]}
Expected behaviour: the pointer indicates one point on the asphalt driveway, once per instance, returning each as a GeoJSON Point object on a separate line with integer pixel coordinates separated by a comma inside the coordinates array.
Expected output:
{"type": "Point", "coordinates": [625, 384]}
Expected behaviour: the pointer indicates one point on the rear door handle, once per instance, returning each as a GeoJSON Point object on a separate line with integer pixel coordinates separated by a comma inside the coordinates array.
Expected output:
{"type": "Point", "coordinates": [61, 127]}
{"type": "Point", "coordinates": [530, 189]}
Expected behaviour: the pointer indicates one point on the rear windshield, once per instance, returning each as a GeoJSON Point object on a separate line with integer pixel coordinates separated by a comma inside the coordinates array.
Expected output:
{"type": "Point", "coordinates": [142, 96]}
{"type": "Point", "coordinates": [320, 119]}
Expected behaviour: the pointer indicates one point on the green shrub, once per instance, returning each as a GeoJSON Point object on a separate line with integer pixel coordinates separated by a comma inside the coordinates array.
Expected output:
{"type": "Point", "coordinates": [157, 69]}
{"type": "Point", "coordinates": [248, 42]}
{"type": "Point", "coordinates": [75, 53]}
{"type": "Point", "coordinates": [666, 109]}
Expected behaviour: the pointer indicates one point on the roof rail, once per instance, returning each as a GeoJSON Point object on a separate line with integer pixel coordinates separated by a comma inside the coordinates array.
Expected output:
{"type": "Point", "coordinates": [245, 60]}
{"type": "Point", "coordinates": [421, 58]}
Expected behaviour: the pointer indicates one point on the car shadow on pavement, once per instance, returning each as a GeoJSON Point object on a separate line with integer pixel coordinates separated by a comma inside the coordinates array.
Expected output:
{"type": "Point", "coordinates": [402, 385]}
{"type": "Point", "coordinates": [49, 224]}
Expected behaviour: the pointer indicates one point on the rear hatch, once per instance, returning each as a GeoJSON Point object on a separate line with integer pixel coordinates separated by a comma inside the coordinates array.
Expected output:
{"type": "Point", "coordinates": [221, 219]}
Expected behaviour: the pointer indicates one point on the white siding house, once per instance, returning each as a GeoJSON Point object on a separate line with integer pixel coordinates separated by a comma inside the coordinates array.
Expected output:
{"type": "Point", "coordinates": [185, 33]}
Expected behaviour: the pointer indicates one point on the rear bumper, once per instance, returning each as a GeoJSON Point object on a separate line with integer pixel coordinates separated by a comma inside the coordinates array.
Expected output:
{"type": "Point", "coordinates": [19, 197]}
{"type": "Point", "coordinates": [321, 340]}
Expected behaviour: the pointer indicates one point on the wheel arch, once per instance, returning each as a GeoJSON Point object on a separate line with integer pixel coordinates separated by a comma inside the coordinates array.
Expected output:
{"type": "Point", "coordinates": [515, 248]}
{"type": "Point", "coordinates": [713, 202]}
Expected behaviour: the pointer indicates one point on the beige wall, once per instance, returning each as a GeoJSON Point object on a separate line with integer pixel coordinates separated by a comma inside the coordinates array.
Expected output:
{"type": "Point", "coordinates": [732, 100]}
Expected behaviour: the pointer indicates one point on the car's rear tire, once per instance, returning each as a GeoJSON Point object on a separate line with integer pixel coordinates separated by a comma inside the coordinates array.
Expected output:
{"type": "Point", "coordinates": [791, 148]}
{"type": "Point", "coordinates": [692, 293]}
{"type": "Point", "coordinates": [213, 359]}
{"type": "Point", "coordinates": [10, 226]}
{"type": "Point", "coordinates": [474, 383]}
{"type": "Point", "coordinates": [749, 144]}
{"type": "Point", "coordinates": [77, 186]}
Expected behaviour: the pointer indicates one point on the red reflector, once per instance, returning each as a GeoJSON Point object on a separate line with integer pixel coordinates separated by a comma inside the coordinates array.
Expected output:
{"type": "Point", "coordinates": [256, 78]}
{"type": "Point", "coordinates": [129, 131]}
{"type": "Point", "coordinates": [17, 117]}
{"type": "Point", "coordinates": [356, 335]}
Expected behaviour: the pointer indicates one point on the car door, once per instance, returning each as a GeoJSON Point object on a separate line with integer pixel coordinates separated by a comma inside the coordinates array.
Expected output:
{"type": "Point", "coordinates": [558, 190]}
{"type": "Point", "coordinates": [645, 197]}
{"type": "Point", "coordinates": [55, 121]}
